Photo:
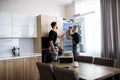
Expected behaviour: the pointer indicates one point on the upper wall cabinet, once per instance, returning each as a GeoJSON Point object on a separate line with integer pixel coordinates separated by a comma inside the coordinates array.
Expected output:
{"type": "Point", "coordinates": [24, 26]}
{"type": "Point", "coordinates": [20, 20]}
{"type": "Point", "coordinates": [32, 23]}
{"type": "Point", "coordinates": [20, 26]}
{"type": "Point", "coordinates": [5, 24]}
{"type": "Point", "coordinates": [24, 31]}
{"type": "Point", "coordinates": [5, 18]}
{"type": "Point", "coordinates": [5, 31]}
{"type": "Point", "coordinates": [23, 20]}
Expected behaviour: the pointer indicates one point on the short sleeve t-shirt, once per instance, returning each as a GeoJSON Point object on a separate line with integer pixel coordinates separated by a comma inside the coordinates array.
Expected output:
{"type": "Point", "coordinates": [52, 36]}
{"type": "Point", "coordinates": [76, 38]}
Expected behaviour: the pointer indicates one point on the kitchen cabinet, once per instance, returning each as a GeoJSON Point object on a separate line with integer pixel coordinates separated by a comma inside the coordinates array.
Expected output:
{"type": "Point", "coordinates": [5, 18]}
{"type": "Point", "coordinates": [20, 20]}
{"type": "Point", "coordinates": [20, 31]}
{"type": "Point", "coordinates": [2, 70]}
{"type": "Point", "coordinates": [19, 69]}
{"type": "Point", "coordinates": [20, 26]}
{"type": "Point", "coordinates": [43, 28]}
{"type": "Point", "coordinates": [29, 69]}
{"type": "Point", "coordinates": [24, 31]}
{"type": "Point", "coordinates": [24, 26]}
{"type": "Point", "coordinates": [5, 31]}
{"type": "Point", "coordinates": [5, 24]}
{"type": "Point", "coordinates": [32, 21]}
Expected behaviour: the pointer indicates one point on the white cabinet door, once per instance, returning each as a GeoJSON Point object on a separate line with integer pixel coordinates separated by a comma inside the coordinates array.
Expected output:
{"type": "Point", "coordinates": [24, 26]}
{"type": "Point", "coordinates": [5, 18]}
{"type": "Point", "coordinates": [24, 31]}
{"type": "Point", "coordinates": [20, 31]}
{"type": "Point", "coordinates": [32, 21]}
{"type": "Point", "coordinates": [5, 31]}
{"type": "Point", "coordinates": [32, 26]}
{"type": "Point", "coordinates": [32, 31]}
{"type": "Point", "coordinates": [20, 20]}
{"type": "Point", "coordinates": [5, 24]}
{"type": "Point", "coordinates": [14, 25]}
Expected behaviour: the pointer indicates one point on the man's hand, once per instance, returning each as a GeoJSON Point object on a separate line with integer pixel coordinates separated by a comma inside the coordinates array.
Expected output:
{"type": "Point", "coordinates": [70, 28]}
{"type": "Point", "coordinates": [62, 36]}
{"type": "Point", "coordinates": [53, 48]}
{"type": "Point", "coordinates": [55, 53]}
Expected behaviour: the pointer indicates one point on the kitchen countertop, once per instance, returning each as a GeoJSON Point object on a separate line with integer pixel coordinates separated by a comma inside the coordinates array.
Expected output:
{"type": "Point", "coordinates": [9, 57]}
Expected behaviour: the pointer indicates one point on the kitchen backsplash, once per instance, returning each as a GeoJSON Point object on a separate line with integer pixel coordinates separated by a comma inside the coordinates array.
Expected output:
{"type": "Point", "coordinates": [25, 45]}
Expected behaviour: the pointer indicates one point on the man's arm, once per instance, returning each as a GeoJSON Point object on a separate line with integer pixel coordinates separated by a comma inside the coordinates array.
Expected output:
{"type": "Point", "coordinates": [68, 35]}
{"type": "Point", "coordinates": [61, 37]}
{"type": "Point", "coordinates": [53, 48]}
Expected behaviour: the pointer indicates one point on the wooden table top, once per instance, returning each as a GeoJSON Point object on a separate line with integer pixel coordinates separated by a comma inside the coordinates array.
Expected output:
{"type": "Point", "coordinates": [89, 71]}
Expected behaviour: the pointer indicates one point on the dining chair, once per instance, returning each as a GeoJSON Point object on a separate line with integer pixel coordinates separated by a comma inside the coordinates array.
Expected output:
{"type": "Point", "coordinates": [104, 61]}
{"type": "Point", "coordinates": [65, 74]}
{"type": "Point", "coordinates": [86, 59]}
{"type": "Point", "coordinates": [45, 71]}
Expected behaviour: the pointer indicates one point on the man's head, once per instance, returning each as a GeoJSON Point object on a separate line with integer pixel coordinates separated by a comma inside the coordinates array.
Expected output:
{"type": "Point", "coordinates": [75, 29]}
{"type": "Point", "coordinates": [54, 25]}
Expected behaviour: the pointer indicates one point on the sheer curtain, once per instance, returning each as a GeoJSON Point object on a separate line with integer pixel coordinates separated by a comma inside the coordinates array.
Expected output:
{"type": "Point", "coordinates": [92, 35]}
{"type": "Point", "coordinates": [90, 10]}
{"type": "Point", "coordinates": [111, 29]}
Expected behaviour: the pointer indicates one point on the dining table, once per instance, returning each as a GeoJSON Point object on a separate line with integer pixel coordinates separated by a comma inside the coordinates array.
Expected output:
{"type": "Point", "coordinates": [89, 71]}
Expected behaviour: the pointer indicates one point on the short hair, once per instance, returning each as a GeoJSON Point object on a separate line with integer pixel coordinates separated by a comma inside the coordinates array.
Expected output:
{"type": "Point", "coordinates": [53, 24]}
{"type": "Point", "coordinates": [76, 27]}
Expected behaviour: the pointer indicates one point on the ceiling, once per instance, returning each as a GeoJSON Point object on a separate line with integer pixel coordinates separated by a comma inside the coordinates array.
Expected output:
{"type": "Point", "coordinates": [62, 2]}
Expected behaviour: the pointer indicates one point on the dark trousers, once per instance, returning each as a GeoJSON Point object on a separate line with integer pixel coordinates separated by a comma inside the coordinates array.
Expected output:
{"type": "Point", "coordinates": [76, 50]}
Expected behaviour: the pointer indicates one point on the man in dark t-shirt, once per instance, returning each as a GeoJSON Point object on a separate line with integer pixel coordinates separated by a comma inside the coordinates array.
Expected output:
{"type": "Point", "coordinates": [53, 37]}
{"type": "Point", "coordinates": [75, 40]}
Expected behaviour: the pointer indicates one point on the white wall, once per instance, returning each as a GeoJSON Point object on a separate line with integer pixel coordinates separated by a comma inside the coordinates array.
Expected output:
{"type": "Point", "coordinates": [70, 10]}
{"type": "Point", "coordinates": [32, 7]}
